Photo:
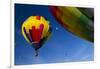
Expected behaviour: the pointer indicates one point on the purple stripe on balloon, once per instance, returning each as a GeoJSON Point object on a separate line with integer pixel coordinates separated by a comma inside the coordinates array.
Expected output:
{"type": "Point", "coordinates": [30, 32]}
{"type": "Point", "coordinates": [28, 36]}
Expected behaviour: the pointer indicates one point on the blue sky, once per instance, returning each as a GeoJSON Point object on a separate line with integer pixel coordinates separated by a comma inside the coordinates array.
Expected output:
{"type": "Point", "coordinates": [61, 47]}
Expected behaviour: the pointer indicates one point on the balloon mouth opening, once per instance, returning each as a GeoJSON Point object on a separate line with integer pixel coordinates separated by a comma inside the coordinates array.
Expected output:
{"type": "Point", "coordinates": [35, 45]}
{"type": "Point", "coordinates": [34, 42]}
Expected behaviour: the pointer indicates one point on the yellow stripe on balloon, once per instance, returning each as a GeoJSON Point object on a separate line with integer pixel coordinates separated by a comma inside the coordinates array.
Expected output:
{"type": "Point", "coordinates": [74, 11]}
{"type": "Point", "coordinates": [25, 34]}
{"type": "Point", "coordinates": [68, 14]}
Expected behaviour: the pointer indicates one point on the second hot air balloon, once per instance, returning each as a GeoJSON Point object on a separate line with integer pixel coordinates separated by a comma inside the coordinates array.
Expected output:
{"type": "Point", "coordinates": [79, 21]}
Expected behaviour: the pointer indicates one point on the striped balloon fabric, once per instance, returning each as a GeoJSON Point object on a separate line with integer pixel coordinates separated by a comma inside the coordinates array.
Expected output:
{"type": "Point", "coordinates": [79, 21]}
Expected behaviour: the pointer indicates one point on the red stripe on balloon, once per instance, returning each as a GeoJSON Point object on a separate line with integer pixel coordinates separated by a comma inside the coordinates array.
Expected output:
{"type": "Point", "coordinates": [54, 11]}
{"type": "Point", "coordinates": [40, 31]}
{"type": "Point", "coordinates": [36, 33]}
{"type": "Point", "coordinates": [38, 17]}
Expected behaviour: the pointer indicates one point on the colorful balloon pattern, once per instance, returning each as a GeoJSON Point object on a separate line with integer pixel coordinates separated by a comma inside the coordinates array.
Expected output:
{"type": "Point", "coordinates": [36, 30]}
{"type": "Point", "coordinates": [79, 21]}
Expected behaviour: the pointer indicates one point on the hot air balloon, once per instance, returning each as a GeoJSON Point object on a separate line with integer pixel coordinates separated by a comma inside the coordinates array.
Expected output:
{"type": "Point", "coordinates": [75, 21]}
{"type": "Point", "coordinates": [36, 30]}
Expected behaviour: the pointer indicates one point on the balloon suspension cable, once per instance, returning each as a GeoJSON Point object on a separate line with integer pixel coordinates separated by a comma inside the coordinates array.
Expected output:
{"type": "Point", "coordinates": [36, 53]}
